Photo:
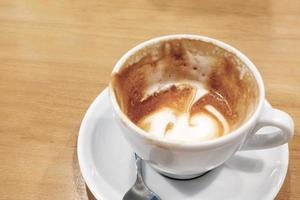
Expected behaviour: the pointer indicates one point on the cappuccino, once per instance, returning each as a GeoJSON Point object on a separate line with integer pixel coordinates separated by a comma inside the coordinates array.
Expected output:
{"type": "Point", "coordinates": [185, 90]}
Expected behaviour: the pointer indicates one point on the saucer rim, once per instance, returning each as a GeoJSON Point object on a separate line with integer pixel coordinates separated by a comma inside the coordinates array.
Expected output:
{"type": "Point", "coordinates": [83, 165]}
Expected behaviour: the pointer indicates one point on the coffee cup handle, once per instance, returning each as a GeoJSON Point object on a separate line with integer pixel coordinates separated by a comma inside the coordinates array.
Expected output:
{"type": "Point", "coordinates": [270, 117]}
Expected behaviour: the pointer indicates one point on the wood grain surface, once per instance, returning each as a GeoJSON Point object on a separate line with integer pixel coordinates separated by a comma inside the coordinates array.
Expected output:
{"type": "Point", "coordinates": [56, 57]}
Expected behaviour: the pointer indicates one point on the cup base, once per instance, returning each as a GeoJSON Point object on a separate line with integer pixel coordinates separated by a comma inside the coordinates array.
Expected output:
{"type": "Point", "coordinates": [183, 177]}
{"type": "Point", "coordinates": [179, 176]}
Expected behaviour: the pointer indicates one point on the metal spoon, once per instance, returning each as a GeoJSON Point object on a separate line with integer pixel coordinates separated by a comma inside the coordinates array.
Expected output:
{"type": "Point", "coordinates": [139, 191]}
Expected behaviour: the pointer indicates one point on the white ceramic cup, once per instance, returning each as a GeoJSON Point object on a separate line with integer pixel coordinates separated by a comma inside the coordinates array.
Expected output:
{"type": "Point", "coordinates": [189, 160]}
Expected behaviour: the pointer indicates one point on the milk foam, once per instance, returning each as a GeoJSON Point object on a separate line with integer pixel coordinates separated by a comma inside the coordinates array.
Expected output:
{"type": "Point", "coordinates": [165, 124]}
{"type": "Point", "coordinates": [199, 128]}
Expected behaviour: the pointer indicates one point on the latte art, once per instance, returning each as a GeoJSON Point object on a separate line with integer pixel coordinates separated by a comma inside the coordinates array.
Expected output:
{"type": "Point", "coordinates": [206, 124]}
{"type": "Point", "coordinates": [166, 122]}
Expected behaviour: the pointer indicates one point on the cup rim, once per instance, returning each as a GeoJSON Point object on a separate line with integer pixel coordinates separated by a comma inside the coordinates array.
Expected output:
{"type": "Point", "coordinates": [220, 141]}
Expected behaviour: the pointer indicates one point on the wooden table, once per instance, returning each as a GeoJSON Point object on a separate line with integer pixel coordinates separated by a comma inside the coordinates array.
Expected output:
{"type": "Point", "coordinates": [56, 57]}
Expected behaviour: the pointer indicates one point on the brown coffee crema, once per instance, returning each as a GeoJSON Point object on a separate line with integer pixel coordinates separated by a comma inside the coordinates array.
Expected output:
{"type": "Point", "coordinates": [232, 88]}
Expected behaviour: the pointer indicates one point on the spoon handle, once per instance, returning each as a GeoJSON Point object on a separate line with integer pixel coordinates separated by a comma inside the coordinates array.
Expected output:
{"type": "Point", "coordinates": [138, 164]}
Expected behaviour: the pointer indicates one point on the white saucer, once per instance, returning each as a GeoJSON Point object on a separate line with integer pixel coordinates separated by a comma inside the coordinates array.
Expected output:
{"type": "Point", "coordinates": [107, 165]}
